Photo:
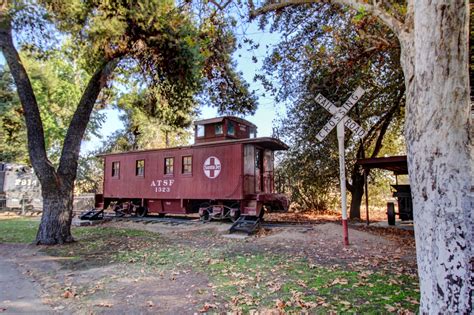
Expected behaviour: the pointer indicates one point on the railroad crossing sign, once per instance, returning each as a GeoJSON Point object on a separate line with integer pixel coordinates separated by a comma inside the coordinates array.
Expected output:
{"type": "Point", "coordinates": [339, 114]}
{"type": "Point", "coordinates": [340, 120]}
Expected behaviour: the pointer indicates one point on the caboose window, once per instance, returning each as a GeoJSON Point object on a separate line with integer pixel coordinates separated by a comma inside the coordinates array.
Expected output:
{"type": "Point", "coordinates": [140, 168]}
{"type": "Point", "coordinates": [169, 162]}
{"type": "Point", "coordinates": [115, 169]}
{"type": "Point", "coordinates": [187, 164]}
{"type": "Point", "coordinates": [253, 133]}
{"type": "Point", "coordinates": [219, 129]}
{"type": "Point", "coordinates": [230, 128]}
{"type": "Point", "coordinates": [200, 130]}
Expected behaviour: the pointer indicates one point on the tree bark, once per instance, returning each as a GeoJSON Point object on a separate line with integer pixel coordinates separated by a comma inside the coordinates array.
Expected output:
{"type": "Point", "coordinates": [55, 226]}
{"type": "Point", "coordinates": [377, 133]}
{"type": "Point", "coordinates": [34, 126]}
{"type": "Point", "coordinates": [357, 191]}
{"type": "Point", "coordinates": [437, 133]}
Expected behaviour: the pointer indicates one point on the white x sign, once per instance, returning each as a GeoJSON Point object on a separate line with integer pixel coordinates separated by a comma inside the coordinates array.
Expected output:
{"type": "Point", "coordinates": [348, 122]}
{"type": "Point", "coordinates": [339, 113]}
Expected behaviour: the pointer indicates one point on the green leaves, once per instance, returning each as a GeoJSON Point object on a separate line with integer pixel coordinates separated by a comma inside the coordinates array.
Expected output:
{"type": "Point", "coordinates": [57, 83]}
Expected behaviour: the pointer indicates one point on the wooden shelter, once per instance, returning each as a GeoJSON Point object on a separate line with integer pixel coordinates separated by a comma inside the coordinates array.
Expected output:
{"type": "Point", "coordinates": [398, 165]}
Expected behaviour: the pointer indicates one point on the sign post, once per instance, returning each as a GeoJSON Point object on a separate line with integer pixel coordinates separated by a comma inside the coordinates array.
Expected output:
{"type": "Point", "coordinates": [340, 120]}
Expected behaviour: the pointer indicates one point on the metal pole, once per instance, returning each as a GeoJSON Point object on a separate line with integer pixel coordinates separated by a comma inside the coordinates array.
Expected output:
{"type": "Point", "coordinates": [366, 171]}
{"type": "Point", "coordinates": [342, 173]}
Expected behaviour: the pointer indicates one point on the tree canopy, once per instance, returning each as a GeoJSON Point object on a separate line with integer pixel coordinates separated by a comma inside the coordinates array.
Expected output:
{"type": "Point", "coordinates": [57, 82]}
{"type": "Point", "coordinates": [331, 52]}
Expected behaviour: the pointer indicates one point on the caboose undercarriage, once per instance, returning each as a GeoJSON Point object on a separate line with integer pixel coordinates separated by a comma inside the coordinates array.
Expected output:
{"type": "Point", "coordinates": [208, 209]}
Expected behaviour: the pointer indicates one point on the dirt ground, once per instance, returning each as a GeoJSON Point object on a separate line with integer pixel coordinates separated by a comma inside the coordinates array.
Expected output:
{"type": "Point", "coordinates": [117, 289]}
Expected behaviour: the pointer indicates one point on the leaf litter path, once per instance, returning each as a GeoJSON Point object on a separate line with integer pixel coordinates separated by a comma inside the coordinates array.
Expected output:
{"type": "Point", "coordinates": [115, 277]}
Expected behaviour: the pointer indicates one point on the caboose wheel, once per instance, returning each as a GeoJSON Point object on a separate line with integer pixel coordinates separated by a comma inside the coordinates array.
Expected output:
{"type": "Point", "coordinates": [262, 213]}
{"type": "Point", "coordinates": [141, 212]}
{"type": "Point", "coordinates": [205, 217]}
{"type": "Point", "coordinates": [118, 211]}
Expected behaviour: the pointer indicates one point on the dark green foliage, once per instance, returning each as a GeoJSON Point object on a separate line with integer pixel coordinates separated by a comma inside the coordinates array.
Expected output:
{"type": "Point", "coordinates": [12, 132]}
{"type": "Point", "coordinates": [57, 83]}
{"type": "Point", "coordinates": [331, 51]}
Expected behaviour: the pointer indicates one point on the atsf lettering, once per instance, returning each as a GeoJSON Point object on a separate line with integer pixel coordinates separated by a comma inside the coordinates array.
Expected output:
{"type": "Point", "coordinates": [162, 185]}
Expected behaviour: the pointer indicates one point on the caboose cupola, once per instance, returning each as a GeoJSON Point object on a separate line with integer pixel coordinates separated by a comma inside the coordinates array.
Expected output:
{"type": "Point", "coordinates": [223, 128]}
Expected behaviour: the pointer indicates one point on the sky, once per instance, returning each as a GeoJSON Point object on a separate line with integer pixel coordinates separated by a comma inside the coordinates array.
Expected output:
{"type": "Point", "coordinates": [267, 110]}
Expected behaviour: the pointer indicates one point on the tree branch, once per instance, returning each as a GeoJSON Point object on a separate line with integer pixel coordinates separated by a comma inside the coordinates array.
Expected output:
{"type": "Point", "coordinates": [80, 119]}
{"type": "Point", "coordinates": [34, 126]}
{"type": "Point", "coordinates": [394, 24]}
{"type": "Point", "coordinates": [387, 119]}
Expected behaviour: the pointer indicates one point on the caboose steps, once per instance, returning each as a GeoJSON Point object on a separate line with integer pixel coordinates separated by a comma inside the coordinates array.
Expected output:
{"type": "Point", "coordinates": [246, 224]}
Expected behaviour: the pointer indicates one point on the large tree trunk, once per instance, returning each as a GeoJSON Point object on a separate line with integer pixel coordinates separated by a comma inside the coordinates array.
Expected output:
{"type": "Point", "coordinates": [55, 227]}
{"type": "Point", "coordinates": [435, 62]}
{"type": "Point", "coordinates": [357, 191]}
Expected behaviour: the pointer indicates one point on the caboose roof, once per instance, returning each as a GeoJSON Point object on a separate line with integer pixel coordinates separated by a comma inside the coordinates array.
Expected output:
{"type": "Point", "coordinates": [220, 119]}
{"type": "Point", "coordinates": [265, 142]}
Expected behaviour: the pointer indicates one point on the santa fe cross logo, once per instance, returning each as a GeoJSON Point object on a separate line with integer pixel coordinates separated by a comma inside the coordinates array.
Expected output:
{"type": "Point", "coordinates": [212, 167]}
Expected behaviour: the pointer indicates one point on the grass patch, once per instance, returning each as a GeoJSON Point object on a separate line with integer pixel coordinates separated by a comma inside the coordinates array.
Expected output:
{"type": "Point", "coordinates": [18, 230]}
{"type": "Point", "coordinates": [253, 281]}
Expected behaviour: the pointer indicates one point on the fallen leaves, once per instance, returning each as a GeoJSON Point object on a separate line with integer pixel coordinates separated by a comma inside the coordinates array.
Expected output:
{"type": "Point", "coordinates": [68, 294]}
{"type": "Point", "coordinates": [273, 286]}
{"type": "Point", "coordinates": [390, 308]}
{"type": "Point", "coordinates": [206, 307]}
{"type": "Point", "coordinates": [342, 281]}
{"type": "Point", "coordinates": [280, 304]}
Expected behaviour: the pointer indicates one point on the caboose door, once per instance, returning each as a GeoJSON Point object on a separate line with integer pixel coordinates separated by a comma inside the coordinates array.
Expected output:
{"type": "Point", "coordinates": [259, 170]}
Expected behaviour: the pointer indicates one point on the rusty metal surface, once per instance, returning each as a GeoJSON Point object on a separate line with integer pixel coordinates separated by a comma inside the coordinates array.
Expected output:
{"type": "Point", "coordinates": [226, 167]}
{"type": "Point", "coordinates": [216, 174]}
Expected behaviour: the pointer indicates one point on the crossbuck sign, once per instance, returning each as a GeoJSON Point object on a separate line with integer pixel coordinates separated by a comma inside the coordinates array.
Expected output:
{"type": "Point", "coordinates": [340, 120]}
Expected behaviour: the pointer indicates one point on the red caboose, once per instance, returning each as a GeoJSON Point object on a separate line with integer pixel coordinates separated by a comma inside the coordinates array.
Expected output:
{"type": "Point", "coordinates": [228, 172]}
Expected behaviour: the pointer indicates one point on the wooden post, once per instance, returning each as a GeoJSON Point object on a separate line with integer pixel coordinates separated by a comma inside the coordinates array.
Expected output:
{"type": "Point", "coordinates": [342, 173]}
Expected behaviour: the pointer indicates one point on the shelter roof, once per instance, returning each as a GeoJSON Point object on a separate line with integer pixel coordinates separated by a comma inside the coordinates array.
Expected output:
{"type": "Point", "coordinates": [396, 164]}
